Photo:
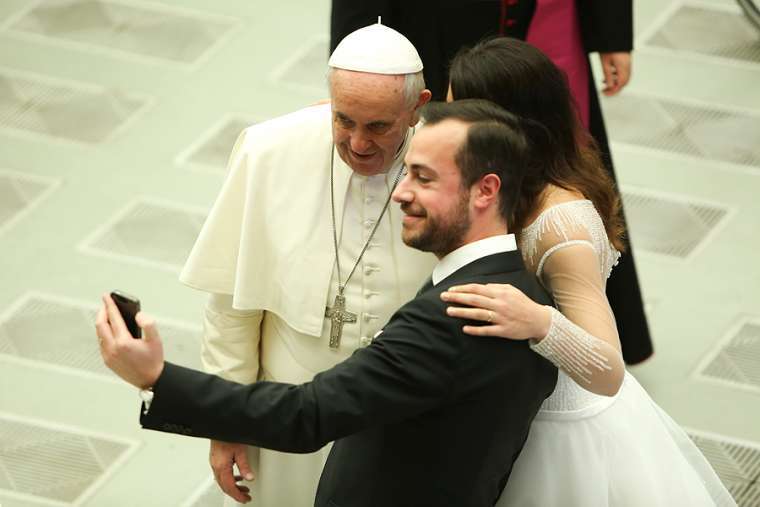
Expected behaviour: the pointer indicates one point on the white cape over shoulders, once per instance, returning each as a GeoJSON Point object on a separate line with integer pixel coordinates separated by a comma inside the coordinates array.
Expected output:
{"type": "Point", "coordinates": [271, 251]}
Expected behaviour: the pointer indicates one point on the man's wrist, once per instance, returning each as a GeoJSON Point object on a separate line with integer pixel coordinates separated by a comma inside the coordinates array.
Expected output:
{"type": "Point", "coordinates": [148, 386]}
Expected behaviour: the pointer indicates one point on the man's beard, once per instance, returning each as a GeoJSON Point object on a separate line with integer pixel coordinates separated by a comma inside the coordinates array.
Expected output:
{"type": "Point", "coordinates": [442, 237]}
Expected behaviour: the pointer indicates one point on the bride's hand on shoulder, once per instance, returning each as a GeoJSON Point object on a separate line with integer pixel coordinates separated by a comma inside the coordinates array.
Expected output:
{"type": "Point", "coordinates": [503, 309]}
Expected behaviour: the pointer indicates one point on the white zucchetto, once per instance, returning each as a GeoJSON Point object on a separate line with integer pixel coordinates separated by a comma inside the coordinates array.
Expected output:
{"type": "Point", "coordinates": [376, 49]}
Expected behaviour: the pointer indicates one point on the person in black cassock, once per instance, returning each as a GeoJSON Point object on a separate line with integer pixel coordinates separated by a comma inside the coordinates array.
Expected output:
{"type": "Point", "coordinates": [566, 30]}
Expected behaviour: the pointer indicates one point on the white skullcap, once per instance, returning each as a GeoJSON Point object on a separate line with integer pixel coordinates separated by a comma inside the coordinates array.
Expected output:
{"type": "Point", "coordinates": [376, 49]}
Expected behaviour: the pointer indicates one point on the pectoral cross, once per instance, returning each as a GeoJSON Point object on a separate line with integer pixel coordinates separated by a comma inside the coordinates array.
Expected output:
{"type": "Point", "coordinates": [338, 316]}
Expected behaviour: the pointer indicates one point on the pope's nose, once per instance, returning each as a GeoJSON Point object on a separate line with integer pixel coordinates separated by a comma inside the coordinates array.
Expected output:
{"type": "Point", "coordinates": [361, 145]}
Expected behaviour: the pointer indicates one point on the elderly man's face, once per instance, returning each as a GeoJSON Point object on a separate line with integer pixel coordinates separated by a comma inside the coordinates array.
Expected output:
{"type": "Point", "coordinates": [370, 119]}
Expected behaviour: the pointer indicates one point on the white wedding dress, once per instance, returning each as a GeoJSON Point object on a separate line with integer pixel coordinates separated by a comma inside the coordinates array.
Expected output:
{"type": "Point", "coordinates": [587, 450]}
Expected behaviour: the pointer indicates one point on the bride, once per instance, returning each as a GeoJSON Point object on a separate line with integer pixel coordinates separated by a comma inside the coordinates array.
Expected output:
{"type": "Point", "coordinates": [599, 439]}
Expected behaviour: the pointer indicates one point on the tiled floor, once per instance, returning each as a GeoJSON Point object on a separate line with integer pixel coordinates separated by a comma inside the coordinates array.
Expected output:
{"type": "Point", "coordinates": [116, 119]}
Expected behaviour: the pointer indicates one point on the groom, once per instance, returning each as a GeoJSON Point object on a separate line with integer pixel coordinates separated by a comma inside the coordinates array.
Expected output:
{"type": "Point", "coordinates": [425, 415]}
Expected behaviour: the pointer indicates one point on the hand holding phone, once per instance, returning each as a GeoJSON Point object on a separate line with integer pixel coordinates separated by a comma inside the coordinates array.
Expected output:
{"type": "Point", "coordinates": [128, 307]}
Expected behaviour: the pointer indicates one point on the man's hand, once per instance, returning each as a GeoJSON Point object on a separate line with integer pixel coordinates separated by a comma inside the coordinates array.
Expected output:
{"type": "Point", "coordinates": [617, 71]}
{"type": "Point", "coordinates": [139, 362]}
{"type": "Point", "coordinates": [223, 456]}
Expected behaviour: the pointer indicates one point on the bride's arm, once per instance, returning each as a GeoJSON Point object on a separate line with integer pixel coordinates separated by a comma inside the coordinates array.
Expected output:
{"type": "Point", "coordinates": [581, 338]}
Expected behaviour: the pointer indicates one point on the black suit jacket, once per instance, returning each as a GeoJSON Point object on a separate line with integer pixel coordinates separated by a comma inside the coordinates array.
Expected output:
{"type": "Point", "coordinates": [425, 415]}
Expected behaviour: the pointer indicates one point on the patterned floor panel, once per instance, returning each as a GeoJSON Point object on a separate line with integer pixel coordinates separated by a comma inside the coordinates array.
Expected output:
{"type": "Point", "coordinates": [153, 31]}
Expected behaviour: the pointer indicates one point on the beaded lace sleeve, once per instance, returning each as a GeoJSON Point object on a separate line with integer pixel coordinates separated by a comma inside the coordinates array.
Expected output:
{"type": "Point", "coordinates": [572, 256]}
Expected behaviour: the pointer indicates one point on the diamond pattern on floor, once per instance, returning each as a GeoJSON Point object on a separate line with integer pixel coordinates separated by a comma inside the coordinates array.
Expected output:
{"type": "Point", "coordinates": [165, 33]}
{"type": "Point", "coordinates": [670, 226]}
{"type": "Point", "coordinates": [184, 81]}
{"type": "Point", "coordinates": [737, 360]}
{"type": "Point", "coordinates": [81, 112]}
{"type": "Point", "coordinates": [306, 69]}
{"type": "Point", "coordinates": [18, 192]}
{"type": "Point", "coordinates": [52, 464]}
{"type": "Point", "coordinates": [213, 149]}
{"type": "Point", "coordinates": [737, 465]}
{"type": "Point", "coordinates": [25, 332]}
{"type": "Point", "coordinates": [688, 129]}
{"type": "Point", "coordinates": [147, 232]}
{"type": "Point", "coordinates": [713, 32]}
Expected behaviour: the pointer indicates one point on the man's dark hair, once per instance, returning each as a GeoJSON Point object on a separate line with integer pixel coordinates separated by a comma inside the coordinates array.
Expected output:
{"type": "Point", "coordinates": [496, 143]}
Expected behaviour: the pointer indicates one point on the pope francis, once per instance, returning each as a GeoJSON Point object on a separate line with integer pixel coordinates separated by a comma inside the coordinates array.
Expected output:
{"type": "Point", "coordinates": [301, 253]}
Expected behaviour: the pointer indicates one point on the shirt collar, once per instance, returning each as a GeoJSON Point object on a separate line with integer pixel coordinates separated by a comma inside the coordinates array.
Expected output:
{"type": "Point", "coordinates": [471, 252]}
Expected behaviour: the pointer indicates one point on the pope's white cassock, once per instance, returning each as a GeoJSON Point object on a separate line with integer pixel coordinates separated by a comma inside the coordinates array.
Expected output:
{"type": "Point", "coordinates": [266, 255]}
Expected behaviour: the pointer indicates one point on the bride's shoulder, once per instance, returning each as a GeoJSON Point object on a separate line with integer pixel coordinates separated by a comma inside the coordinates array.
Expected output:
{"type": "Point", "coordinates": [555, 201]}
{"type": "Point", "coordinates": [554, 195]}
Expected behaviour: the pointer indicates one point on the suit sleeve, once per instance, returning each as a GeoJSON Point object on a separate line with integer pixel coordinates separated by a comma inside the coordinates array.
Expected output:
{"type": "Point", "coordinates": [407, 370]}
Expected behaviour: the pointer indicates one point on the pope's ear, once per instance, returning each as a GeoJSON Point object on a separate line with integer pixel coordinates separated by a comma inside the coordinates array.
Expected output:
{"type": "Point", "coordinates": [425, 96]}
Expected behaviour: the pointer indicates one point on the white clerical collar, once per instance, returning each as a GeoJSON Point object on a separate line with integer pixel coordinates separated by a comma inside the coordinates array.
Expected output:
{"type": "Point", "coordinates": [471, 252]}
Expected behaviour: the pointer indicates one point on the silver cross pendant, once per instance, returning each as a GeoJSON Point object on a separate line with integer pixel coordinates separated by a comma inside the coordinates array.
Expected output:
{"type": "Point", "coordinates": [338, 316]}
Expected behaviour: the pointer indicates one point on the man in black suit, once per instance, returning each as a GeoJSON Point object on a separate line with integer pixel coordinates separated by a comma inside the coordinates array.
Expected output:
{"type": "Point", "coordinates": [425, 415]}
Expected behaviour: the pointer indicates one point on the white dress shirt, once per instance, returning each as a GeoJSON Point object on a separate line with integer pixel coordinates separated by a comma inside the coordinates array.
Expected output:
{"type": "Point", "coordinates": [471, 252]}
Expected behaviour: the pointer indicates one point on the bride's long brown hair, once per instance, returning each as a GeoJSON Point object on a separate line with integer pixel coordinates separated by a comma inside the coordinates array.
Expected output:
{"type": "Point", "coordinates": [521, 79]}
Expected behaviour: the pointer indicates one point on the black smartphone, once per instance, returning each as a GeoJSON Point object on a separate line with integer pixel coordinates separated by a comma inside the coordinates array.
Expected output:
{"type": "Point", "coordinates": [128, 307]}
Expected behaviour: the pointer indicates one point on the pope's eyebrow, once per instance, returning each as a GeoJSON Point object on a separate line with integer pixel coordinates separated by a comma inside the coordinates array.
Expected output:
{"type": "Point", "coordinates": [379, 124]}
{"type": "Point", "coordinates": [342, 116]}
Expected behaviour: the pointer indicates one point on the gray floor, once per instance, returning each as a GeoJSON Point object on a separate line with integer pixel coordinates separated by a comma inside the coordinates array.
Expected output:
{"type": "Point", "coordinates": [115, 122]}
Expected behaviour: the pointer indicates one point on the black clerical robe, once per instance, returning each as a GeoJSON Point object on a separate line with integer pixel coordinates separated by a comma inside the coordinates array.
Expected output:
{"type": "Point", "coordinates": [424, 416]}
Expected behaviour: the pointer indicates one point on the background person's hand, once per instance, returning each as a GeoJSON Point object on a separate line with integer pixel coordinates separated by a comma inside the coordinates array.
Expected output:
{"type": "Point", "coordinates": [617, 71]}
{"type": "Point", "coordinates": [222, 456]}
{"type": "Point", "coordinates": [507, 312]}
{"type": "Point", "coordinates": [139, 362]}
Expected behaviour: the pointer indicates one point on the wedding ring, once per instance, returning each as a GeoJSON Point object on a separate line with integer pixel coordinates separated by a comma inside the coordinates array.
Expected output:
{"type": "Point", "coordinates": [490, 316]}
